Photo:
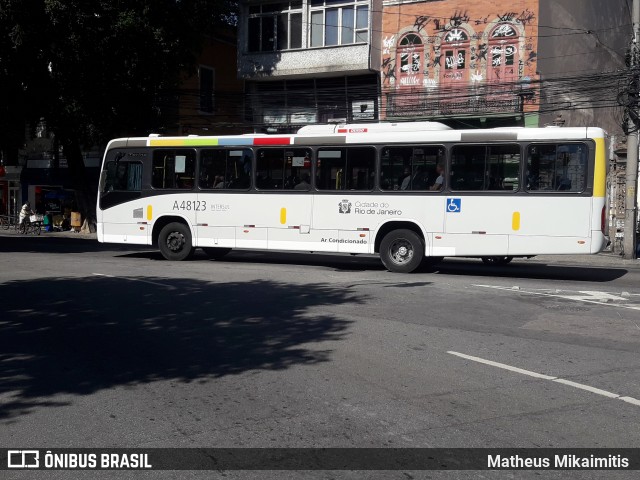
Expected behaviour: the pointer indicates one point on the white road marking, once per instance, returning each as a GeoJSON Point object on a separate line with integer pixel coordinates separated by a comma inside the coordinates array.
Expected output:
{"type": "Point", "coordinates": [170, 287]}
{"type": "Point", "coordinates": [581, 386]}
{"type": "Point", "coordinates": [602, 299]}
{"type": "Point", "coordinates": [630, 400]}
{"type": "Point", "coordinates": [587, 388]}
{"type": "Point", "coordinates": [504, 366]}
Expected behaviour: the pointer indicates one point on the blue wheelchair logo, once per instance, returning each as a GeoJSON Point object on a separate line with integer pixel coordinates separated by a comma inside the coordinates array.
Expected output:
{"type": "Point", "coordinates": [454, 205]}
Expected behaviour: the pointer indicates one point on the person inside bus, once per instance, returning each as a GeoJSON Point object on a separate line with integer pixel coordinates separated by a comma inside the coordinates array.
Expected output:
{"type": "Point", "coordinates": [305, 183]}
{"type": "Point", "coordinates": [406, 181]}
{"type": "Point", "coordinates": [439, 182]}
{"type": "Point", "coordinates": [218, 181]}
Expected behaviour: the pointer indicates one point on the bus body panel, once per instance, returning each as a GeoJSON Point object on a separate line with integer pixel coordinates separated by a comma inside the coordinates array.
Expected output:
{"type": "Point", "coordinates": [481, 223]}
{"type": "Point", "coordinates": [126, 223]}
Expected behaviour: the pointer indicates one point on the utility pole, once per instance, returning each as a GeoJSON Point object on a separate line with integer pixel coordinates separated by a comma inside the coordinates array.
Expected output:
{"type": "Point", "coordinates": [630, 209]}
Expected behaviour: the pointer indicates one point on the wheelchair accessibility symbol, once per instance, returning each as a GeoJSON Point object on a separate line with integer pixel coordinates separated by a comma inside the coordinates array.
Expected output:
{"type": "Point", "coordinates": [454, 205]}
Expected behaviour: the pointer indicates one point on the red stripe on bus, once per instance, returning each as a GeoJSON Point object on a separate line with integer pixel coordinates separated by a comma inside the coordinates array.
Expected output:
{"type": "Point", "coordinates": [272, 141]}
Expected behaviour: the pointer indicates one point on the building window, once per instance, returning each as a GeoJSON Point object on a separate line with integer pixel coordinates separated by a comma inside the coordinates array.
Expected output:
{"type": "Point", "coordinates": [504, 54]}
{"type": "Point", "coordinates": [455, 50]}
{"type": "Point", "coordinates": [207, 80]}
{"type": "Point", "coordinates": [338, 22]}
{"type": "Point", "coordinates": [409, 60]}
{"type": "Point", "coordinates": [275, 26]}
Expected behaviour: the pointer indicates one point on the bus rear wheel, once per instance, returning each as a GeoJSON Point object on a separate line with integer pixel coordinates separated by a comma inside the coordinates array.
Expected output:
{"type": "Point", "coordinates": [401, 251]}
{"type": "Point", "coordinates": [174, 242]}
{"type": "Point", "coordinates": [496, 260]}
{"type": "Point", "coordinates": [215, 253]}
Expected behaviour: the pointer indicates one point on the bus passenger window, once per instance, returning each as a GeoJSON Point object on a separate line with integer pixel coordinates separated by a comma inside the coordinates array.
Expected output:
{"type": "Point", "coordinates": [350, 168]}
{"type": "Point", "coordinates": [561, 168]}
{"type": "Point", "coordinates": [412, 168]}
{"type": "Point", "coordinates": [173, 169]}
{"type": "Point", "coordinates": [283, 169]}
{"type": "Point", "coordinates": [485, 167]}
{"type": "Point", "coordinates": [123, 177]}
{"type": "Point", "coordinates": [228, 169]}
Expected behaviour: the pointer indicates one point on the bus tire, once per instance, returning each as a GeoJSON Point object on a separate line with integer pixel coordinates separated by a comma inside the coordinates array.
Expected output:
{"type": "Point", "coordinates": [215, 253]}
{"type": "Point", "coordinates": [496, 260]}
{"type": "Point", "coordinates": [401, 251]}
{"type": "Point", "coordinates": [175, 242]}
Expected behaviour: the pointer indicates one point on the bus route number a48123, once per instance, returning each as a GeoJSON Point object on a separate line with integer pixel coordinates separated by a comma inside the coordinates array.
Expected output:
{"type": "Point", "coordinates": [190, 205]}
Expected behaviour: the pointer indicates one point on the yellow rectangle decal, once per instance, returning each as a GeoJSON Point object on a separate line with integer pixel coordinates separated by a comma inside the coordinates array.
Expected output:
{"type": "Point", "coordinates": [149, 212]}
{"type": "Point", "coordinates": [600, 174]}
{"type": "Point", "coordinates": [515, 221]}
{"type": "Point", "coordinates": [283, 216]}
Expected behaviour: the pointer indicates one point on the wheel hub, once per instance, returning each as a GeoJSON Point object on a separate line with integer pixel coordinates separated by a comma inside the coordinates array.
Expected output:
{"type": "Point", "coordinates": [175, 241]}
{"type": "Point", "coordinates": [401, 251]}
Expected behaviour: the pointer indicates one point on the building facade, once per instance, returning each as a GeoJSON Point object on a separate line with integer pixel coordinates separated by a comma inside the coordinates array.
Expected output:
{"type": "Point", "coordinates": [309, 61]}
{"type": "Point", "coordinates": [472, 64]}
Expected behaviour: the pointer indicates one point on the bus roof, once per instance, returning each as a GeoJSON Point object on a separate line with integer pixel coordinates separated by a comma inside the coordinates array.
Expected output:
{"type": "Point", "coordinates": [368, 133]}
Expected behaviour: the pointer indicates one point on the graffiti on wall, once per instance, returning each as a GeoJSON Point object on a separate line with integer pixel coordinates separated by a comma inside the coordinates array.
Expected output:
{"type": "Point", "coordinates": [457, 51]}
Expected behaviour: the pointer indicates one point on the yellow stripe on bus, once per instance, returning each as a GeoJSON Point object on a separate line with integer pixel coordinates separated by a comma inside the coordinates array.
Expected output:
{"type": "Point", "coordinates": [182, 142]}
{"type": "Point", "coordinates": [600, 174]}
{"type": "Point", "coordinates": [149, 212]}
{"type": "Point", "coordinates": [515, 221]}
{"type": "Point", "coordinates": [283, 216]}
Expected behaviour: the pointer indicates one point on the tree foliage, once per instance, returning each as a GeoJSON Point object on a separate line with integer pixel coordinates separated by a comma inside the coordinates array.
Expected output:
{"type": "Point", "coordinates": [96, 70]}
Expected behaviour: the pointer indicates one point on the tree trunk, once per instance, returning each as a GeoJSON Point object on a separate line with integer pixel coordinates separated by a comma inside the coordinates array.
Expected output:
{"type": "Point", "coordinates": [85, 196]}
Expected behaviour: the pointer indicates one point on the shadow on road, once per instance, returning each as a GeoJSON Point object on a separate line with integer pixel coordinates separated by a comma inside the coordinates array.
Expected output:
{"type": "Point", "coordinates": [539, 271]}
{"type": "Point", "coordinates": [78, 336]}
{"type": "Point", "coordinates": [48, 243]}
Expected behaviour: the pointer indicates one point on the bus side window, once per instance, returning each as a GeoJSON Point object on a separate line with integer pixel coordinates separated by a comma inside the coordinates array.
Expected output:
{"type": "Point", "coordinates": [485, 167]}
{"type": "Point", "coordinates": [412, 168]}
{"type": "Point", "coordinates": [123, 177]}
{"type": "Point", "coordinates": [351, 168]}
{"type": "Point", "coordinates": [173, 169]}
{"type": "Point", "coordinates": [283, 169]}
{"type": "Point", "coordinates": [556, 167]}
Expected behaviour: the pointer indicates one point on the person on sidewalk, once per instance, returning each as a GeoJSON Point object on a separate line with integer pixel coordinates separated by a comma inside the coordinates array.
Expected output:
{"type": "Point", "coordinates": [25, 211]}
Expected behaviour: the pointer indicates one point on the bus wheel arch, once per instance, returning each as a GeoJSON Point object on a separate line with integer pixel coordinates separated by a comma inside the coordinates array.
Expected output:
{"type": "Point", "coordinates": [173, 237]}
{"type": "Point", "coordinates": [401, 246]}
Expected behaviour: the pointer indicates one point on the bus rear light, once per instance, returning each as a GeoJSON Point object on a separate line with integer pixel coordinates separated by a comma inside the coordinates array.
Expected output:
{"type": "Point", "coordinates": [603, 220]}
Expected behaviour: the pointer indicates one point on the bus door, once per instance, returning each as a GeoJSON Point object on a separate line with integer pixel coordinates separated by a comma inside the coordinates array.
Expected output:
{"type": "Point", "coordinates": [478, 212]}
{"type": "Point", "coordinates": [122, 212]}
{"type": "Point", "coordinates": [225, 173]}
{"type": "Point", "coordinates": [283, 178]}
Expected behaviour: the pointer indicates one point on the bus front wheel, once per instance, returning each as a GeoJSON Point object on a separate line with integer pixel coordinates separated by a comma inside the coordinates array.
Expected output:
{"type": "Point", "coordinates": [215, 253]}
{"type": "Point", "coordinates": [175, 242]}
{"type": "Point", "coordinates": [401, 251]}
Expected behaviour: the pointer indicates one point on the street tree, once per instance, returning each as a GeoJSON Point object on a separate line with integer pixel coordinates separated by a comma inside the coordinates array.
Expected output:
{"type": "Point", "coordinates": [97, 70]}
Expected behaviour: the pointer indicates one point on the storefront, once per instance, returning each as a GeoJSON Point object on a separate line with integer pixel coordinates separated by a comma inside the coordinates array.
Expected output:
{"type": "Point", "coordinates": [10, 192]}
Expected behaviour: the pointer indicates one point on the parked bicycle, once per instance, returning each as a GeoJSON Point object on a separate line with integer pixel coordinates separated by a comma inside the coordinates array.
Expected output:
{"type": "Point", "coordinates": [7, 221]}
{"type": "Point", "coordinates": [31, 224]}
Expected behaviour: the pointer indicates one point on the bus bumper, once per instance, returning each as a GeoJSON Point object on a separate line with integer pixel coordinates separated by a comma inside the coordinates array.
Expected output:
{"type": "Point", "coordinates": [598, 241]}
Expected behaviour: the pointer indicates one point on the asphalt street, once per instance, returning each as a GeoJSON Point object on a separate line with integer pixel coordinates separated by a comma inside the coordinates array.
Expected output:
{"type": "Point", "coordinates": [111, 346]}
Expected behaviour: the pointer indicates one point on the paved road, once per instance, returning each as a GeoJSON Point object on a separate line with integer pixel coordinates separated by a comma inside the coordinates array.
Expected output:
{"type": "Point", "coordinates": [110, 346]}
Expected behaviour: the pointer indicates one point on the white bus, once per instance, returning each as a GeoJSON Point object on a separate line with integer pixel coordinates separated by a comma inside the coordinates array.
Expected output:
{"type": "Point", "coordinates": [410, 192]}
